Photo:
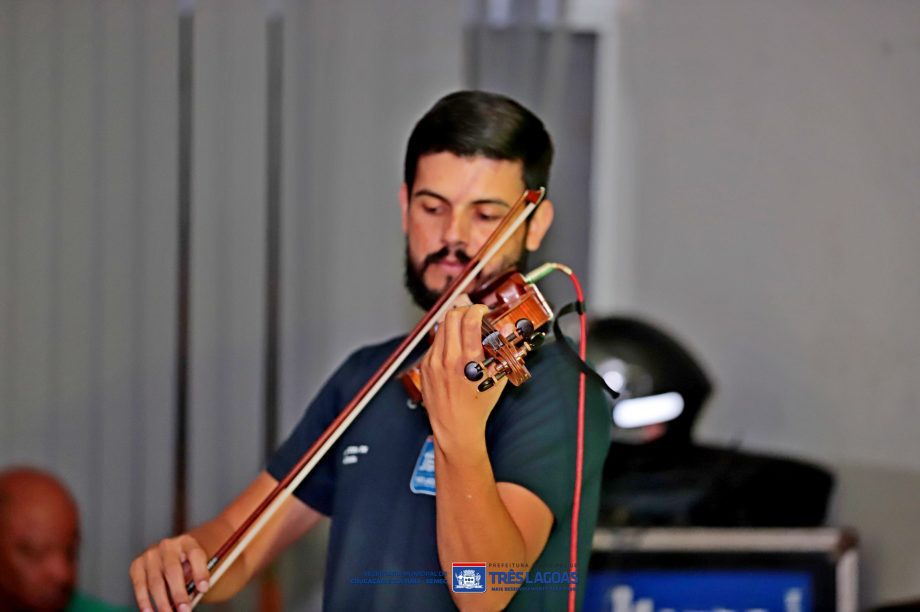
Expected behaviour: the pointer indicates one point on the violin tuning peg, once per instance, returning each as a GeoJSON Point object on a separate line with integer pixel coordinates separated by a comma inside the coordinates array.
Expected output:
{"type": "Point", "coordinates": [473, 371]}
{"type": "Point", "coordinates": [486, 384]}
{"type": "Point", "coordinates": [524, 328]}
{"type": "Point", "coordinates": [536, 341]}
{"type": "Point", "coordinates": [494, 340]}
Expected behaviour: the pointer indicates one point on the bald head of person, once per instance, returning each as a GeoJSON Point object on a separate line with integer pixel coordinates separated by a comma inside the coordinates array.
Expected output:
{"type": "Point", "coordinates": [39, 541]}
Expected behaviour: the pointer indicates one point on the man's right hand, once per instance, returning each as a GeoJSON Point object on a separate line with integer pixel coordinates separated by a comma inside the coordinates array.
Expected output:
{"type": "Point", "coordinates": [160, 573]}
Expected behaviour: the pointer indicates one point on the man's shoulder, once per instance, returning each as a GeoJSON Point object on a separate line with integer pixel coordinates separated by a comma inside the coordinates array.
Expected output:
{"type": "Point", "coordinates": [361, 364]}
{"type": "Point", "coordinates": [553, 389]}
{"type": "Point", "coordinates": [551, 356]}
{"type": "Point", "coordinates": [370, 356]}
{"type": "Point", "coordinates": [353, 371]}
{"type": "Point", "coordinates": [557, 362]}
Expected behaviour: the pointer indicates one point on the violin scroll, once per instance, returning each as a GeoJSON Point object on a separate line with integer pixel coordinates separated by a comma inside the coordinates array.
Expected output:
{"type": "Point", "coordinates": [514, 304]}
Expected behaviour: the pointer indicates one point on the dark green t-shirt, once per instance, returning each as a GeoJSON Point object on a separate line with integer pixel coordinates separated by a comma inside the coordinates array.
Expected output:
{"type": "Point", "coordinates": [84, 603]}
{"type": "Point", "coordinates": [382, 548]}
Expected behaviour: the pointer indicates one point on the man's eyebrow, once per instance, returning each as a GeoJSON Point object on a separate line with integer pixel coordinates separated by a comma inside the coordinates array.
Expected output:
{"type": "Point", "coordinates": [492, 201]}
{"type": "Point", "coordinates": [430, 194]}
{"type": "Point", "coordinates": [480, 201]}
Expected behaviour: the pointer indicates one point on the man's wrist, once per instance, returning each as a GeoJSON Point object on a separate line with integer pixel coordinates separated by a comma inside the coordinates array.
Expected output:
{"type": "Point", "coordinates": [461, 452]}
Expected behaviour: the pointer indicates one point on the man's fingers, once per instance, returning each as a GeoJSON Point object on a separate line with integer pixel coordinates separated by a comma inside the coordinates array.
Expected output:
{"type": "Point", "coordinates": [172, 571]}
{"type": "Point", "coordinates": [139, 581]}
{"type": "Point", "coordinates": [155, 582]}
{"type": "Point", "coordinates": [459, 302]}
{"type": "Point", "coordinates": [198, 563]}
{"type": "Point", "coordinates": [176, 583]}
{"type": "Point", "coordinates": [159, 576]}
{"type": "Point", "coordinates": [462, 300]}
{"type": "Point", "coordinates": [433, 355]}
{"type": "Point", "coordinates": [450, 347]}
{"type": "Point", "coordinates": [471, 334]}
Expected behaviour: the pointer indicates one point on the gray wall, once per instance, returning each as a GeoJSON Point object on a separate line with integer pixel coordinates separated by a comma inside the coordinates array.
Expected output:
{"type": "Point", "coordinates": [88, 239]}
{"type": "Point", "coordinates": [778, 205]}
{"type": "Point", "coordinates": [87, 199]}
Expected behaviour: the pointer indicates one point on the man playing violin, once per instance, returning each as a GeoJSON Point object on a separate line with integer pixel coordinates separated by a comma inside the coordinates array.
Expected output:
{"type": "Point", "coordinates": [470, 477]}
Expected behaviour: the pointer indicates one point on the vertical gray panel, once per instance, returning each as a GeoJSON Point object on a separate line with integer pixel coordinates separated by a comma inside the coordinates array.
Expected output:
{"type": "Point", "coordinates": [54, 432]}
{"type": "Point", "coordinates": [119, 285]}
{"type": "Point", "coordinates": [273, 146]}
{"type": "Point", "coordinates": [159, 94]}
{"type": "Point", "coordinates": [138, 338]}
{"type": "Point", "coordinates": [95, 438]}
{"type": "Point", "coordinates": [209, 236]}
{"type": "Point", "coordinates": [9, 64]}
{"type": "Point", "coordinates": [229, 234]}
{"type": "Point", "coordinates": [94, 525]}
{"type": "Point", "coordinates": [72, 431]}
{"type": "Point", "coordinates": [246, 263]}
{"type": "Point", "coordinates": [512, 62]}
{"type": "Point", "coordinates": [229, 264]}
{"type": "Point", "coordinates": [304, 338]}
{"type": "Point", "coordinates": [78, 434]}
{"type": "Point", "coordinates": [183, 268]}
{"type": "Point", "coordinates": [343, 172]}
{"type": "Point", "coordinates": [85, 326]}
{"type": "Point", "coordinates": [33, 254]}
{"type": "Point", "coordinates": [360, 75]}
{"type": "Point", "coordinates": [473, 31]}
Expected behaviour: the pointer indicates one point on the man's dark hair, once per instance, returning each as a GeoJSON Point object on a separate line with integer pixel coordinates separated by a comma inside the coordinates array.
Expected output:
{"type": "Point", "coordinates": [468, 123]}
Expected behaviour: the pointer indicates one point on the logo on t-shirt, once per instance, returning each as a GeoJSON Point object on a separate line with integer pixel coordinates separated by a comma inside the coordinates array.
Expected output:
{"type": "Point", "coordinates": [351, 453]}
{"type": "Point", "coordinates": [468, 577]}
{"type": "Point", "coordinates": [422, 480]}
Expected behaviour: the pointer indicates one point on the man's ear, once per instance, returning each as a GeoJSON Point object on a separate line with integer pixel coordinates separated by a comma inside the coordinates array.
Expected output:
{"type": "Point", "coordinates": [540, 221]}
{"type": "Point", "coordinates": [404, 206]}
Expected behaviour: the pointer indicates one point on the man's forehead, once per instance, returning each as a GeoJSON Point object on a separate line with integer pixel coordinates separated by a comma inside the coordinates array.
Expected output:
{"type": "Point", "coordinates": [471, 179]}
{"type": "Point", "coordinates": [61, 538]}
{"type": "Point", "coordinates": [59, 519]}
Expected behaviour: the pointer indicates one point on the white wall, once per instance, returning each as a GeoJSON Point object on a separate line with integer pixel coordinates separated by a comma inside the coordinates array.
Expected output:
{"type": "Point", "coordinates": [778, 202]}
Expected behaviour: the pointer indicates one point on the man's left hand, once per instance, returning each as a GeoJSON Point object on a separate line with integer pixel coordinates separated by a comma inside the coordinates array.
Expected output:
{"type": "Point", "coordinates": [458, 411]}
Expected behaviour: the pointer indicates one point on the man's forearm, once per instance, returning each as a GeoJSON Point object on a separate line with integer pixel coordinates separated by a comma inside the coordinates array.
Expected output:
{"type": "Point", "coordinates": [473, 523]}
{"type": "Point", "coordinates": [211, 536]}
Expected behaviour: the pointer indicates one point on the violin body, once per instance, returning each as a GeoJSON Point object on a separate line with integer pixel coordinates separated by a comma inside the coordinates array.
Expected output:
{"type": "Point", "coordinates": [517, 308]}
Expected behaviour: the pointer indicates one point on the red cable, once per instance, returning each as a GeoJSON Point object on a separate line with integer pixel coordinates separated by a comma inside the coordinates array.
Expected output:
{"type": "Point", "coordinates": [580, 443]}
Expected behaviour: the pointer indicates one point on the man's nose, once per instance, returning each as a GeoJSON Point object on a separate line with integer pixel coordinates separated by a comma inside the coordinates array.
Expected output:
{"type": "Point", "coordinates": [59, 568]}
{"type": "Point", "coordinates": [456, 230]}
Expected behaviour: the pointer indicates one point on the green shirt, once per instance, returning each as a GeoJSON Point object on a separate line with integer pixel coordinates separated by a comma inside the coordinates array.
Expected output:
{"type": "Point", "coordinates": [84, 603]}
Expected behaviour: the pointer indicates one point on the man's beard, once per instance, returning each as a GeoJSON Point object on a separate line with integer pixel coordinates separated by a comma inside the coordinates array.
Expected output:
{"type": "Point", "coordinates": [415, 277]}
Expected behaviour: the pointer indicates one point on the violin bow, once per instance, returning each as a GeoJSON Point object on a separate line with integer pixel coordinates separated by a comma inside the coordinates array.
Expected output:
{"type": "Point", "coordinates": [234, 546]}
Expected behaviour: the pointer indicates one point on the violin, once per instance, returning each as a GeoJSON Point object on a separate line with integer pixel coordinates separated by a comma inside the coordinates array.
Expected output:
{"type": "Point", "coordinates": [514, 304]}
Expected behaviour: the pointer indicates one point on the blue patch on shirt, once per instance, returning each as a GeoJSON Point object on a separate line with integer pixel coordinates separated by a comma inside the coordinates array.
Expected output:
{"type": "Point", "coordinates": [422, 480]}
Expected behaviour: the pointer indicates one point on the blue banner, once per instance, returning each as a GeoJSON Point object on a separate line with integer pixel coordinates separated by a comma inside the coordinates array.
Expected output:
{"type": "Point", "coordinates": [698, 591]}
